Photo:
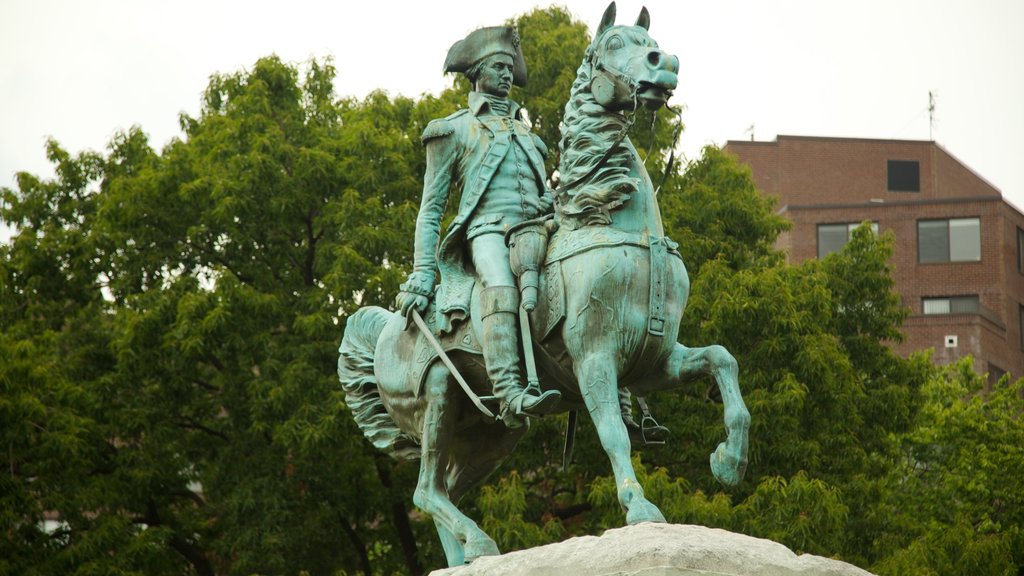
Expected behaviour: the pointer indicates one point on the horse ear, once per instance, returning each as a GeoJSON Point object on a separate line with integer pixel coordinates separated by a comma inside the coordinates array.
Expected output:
{"type": "Point", "coordinates": [644, 19]}
{"type": "Point", "coordinates": [607, 21]}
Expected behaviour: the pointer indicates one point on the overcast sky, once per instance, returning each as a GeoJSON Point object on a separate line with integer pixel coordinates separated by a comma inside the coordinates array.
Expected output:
{"type": "Point", "coordinates": [80, 70]}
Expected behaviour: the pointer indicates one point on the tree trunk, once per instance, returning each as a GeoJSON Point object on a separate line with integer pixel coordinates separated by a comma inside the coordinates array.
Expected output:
{"type": "Point", "coordinates": [400, 517]}
{"type": "Point", "coordinates": [357, 543]}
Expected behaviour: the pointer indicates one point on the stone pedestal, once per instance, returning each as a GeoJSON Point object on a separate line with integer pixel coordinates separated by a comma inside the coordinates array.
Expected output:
{"type": "Point", "coordinates": [657, 550]}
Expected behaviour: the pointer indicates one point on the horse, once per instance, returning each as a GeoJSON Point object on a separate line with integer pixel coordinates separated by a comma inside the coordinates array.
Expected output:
{"type": "Point", "coordinates": [613, 293]}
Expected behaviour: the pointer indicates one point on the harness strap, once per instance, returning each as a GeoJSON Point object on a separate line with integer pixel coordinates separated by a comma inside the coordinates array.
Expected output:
{"type": "Point", "coordinates": [659, 263]}
{"type": "Point", "coordinates": [652, 340]}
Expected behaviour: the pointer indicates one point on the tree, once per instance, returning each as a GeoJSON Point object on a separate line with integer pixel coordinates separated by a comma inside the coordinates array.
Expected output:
{"type": "Point", "coordinates": [954, 503]}
{"type": "Point", "coordinates": [193, 299]}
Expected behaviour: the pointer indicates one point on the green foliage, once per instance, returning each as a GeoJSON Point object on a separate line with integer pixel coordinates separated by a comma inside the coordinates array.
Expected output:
{"type": "Point", "coordinates": [172, 337]}
{"type": "Point", "coordinates": [714, 210]}
{"type": "Point", "coordinates": [955, 487]}
{"type": "Point", "coordinates": [503, 508]}
{"type": "Point", "coordinates": [678, 501]}
{"type": "Point", "coordinates": [553, 44]}
{"type": "Point", "coordinates": [805, 514]}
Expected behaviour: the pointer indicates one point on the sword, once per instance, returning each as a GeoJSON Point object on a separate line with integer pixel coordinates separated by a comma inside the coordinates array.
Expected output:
{"type": "Point", "coordinates": [570, 439]}
{"type": "Point", "coordinates": [448, 363]}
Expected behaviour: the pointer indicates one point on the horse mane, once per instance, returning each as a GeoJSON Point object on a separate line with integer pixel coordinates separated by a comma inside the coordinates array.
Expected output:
{"type": "Point", "coordinates": [588, 130]}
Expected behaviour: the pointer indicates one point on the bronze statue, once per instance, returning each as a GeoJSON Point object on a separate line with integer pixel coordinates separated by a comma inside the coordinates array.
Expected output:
{"type": "Point", "coordinates": [500, 166]}
{"type": "Point", "coordinates": [610, 290]}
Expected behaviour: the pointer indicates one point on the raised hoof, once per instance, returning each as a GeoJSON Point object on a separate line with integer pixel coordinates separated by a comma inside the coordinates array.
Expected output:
{"type": "Point", "coordinates": [727, 468]}
{"type": "Point", "coordinates": [481, 547]}
{"type": "Point", "coordinates": [644, 512]}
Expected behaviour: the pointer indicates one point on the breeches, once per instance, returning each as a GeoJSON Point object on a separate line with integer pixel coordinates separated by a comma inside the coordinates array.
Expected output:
{"type": "Point", "coordinates": [490, 258]}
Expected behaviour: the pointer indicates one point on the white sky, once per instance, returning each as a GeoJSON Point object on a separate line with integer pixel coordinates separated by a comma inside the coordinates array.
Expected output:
{"type": "Point", "coordinates": [80, 70]}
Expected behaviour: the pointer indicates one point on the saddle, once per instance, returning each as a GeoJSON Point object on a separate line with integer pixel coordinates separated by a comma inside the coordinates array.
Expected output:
{"type": "Point", "coordinates": [542, 286]}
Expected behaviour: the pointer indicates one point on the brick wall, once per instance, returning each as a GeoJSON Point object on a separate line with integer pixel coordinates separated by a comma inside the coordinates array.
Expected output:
{"type": "Point", "coordinates": [808, 170]}
{"type": "Point", "coordinates": [836, 180]}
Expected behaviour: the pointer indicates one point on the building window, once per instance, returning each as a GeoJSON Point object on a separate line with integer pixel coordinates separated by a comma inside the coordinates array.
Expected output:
{"type": "Point", "coordinates": [904, 176]}
{"type": "Point", "coordinates": [832, 237]}
{"type": "Point", "coordinates": [953, 240]}
{"type": "Point", "coordinates": [951, 305]}
{"type": "Point", "coordinates": [1021, 326]}
{"type": "Point", "coordinates": [1020, 250]}
{"type": "Point", "coordinates": [995, 374]}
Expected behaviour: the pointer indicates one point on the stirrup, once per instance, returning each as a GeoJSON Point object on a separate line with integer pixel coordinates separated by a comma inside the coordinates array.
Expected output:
{"type": "Point", "coordinates": [646, 434]}
{"type": "Point", "coordinates": [653, 433]}
{"type": "Point", "coordinates": [544, 403]}
{"type": "Point", "coordinates": [650, 430]}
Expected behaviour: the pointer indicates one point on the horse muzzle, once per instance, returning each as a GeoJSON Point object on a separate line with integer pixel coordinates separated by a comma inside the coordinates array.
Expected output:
{"type": "Point", "coordinates": [658, 78]}
{"type": "Point", "coordinates": [654, 93]}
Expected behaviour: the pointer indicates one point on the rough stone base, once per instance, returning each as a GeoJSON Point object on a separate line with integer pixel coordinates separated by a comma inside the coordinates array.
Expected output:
{"type": "Point", "coordinates": [657, 550]}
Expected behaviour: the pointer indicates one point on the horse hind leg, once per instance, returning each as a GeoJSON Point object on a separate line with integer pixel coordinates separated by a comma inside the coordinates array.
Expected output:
{"type": "Point", "coordinates": [729, 460]}
{"type": "Point", "coordinates": [477, 451]}
{"type": "Point", "coordinates": [462, 539]}
{"type": "Point", "coordinates": [599, 385]}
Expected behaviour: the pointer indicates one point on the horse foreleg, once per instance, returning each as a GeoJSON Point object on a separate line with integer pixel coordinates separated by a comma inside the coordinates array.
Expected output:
{"type": "Point", "coordinates": [462, 539]}
{"type": "Point", "coordinates": [453, 549]}
{"type": "Point", "coordinates": [599, 385]}
{"type": "Point", "coordinates": [729, 460]}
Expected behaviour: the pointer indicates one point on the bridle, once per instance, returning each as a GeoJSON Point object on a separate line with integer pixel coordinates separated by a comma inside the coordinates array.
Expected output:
{"type": "Point", "coordinates": [613, 74]}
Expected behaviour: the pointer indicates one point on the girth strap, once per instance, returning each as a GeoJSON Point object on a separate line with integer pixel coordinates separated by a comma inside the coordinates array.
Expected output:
{"type": "Point", "coordinates": [659, 264]}
{"type": "Point", "coordinates": [651, 347]}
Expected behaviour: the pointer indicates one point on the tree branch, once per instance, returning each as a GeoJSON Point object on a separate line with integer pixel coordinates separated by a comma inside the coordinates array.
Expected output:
{"type": "Point", "coordinates": [358, 544]}
{"type": "Point", "coordinates": [188, 550]}
{"type": "Point", "coordinates": [189, 424]}
{"type": "Point", "coordinates": [400, 517]}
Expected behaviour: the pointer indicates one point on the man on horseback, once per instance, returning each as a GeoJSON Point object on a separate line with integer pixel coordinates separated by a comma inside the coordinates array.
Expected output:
{"type": "Point", "coordinates": [498, 164]}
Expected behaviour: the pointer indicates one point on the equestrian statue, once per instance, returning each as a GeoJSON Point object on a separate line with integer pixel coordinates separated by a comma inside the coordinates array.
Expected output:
{"type": "Point", "coordinates": [533, 301]}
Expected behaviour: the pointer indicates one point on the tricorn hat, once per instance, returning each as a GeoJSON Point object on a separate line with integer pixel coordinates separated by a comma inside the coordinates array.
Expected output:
{"type": "Point", "coordinates": [485, 42]}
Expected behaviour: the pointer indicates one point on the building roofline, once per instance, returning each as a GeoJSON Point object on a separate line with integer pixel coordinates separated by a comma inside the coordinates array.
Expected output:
{"type": "Point", "coordinates": [942, 148]}
{"type": "Point", "coordinates": [833, 139]}
{"type": "Point", "coordinates": [869, 204]}
{"type": "Point", "coordinates": [968, 168]}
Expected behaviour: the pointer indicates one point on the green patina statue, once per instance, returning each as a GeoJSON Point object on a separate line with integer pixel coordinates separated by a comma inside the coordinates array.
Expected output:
{"type": "Point", "coordinates": [500, 165]}
{"type": "Point", "coordinates": [600, 293]}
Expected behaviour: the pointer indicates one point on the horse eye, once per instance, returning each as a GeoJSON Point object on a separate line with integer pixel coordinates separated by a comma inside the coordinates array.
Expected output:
{"type": "Point", "coordinates": [614, 43]}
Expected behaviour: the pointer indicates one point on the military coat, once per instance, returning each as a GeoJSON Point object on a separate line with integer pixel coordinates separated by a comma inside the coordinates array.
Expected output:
{"type": "Point", "coordinates": [464, 151]}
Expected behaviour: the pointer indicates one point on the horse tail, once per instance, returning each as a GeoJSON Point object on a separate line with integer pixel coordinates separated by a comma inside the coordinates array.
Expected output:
{"type": "Point", "coordinates": [355, 370]}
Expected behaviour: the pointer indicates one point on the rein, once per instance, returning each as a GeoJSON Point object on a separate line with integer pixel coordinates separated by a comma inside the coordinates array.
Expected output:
{"type": "Point", "coordinates": [672, 150]}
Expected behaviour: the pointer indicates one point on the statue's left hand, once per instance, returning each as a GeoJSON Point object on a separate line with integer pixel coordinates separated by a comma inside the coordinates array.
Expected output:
{"type": "Point", "coordinates": [547, 202]}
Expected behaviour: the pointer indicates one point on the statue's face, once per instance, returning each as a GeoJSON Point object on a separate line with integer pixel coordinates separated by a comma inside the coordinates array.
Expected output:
{"type": "Point", "coordinates": [495, 77]}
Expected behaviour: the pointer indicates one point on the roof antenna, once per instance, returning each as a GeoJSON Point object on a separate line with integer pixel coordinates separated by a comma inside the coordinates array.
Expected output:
{"type": "Point", "coordinates": [751, 130]}
{"type": "Point", "coordinates": [931, 114]}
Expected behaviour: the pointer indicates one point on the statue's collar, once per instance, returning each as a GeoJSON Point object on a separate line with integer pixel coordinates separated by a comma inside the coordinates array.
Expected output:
{"type": "Point", "coordinates": [480, 104]}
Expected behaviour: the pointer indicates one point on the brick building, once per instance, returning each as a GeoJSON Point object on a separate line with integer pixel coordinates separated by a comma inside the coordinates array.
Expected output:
{"type": "Point", "coordinates": [959, 254]}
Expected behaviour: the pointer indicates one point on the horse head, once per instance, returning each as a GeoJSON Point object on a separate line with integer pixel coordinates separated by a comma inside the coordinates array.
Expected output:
{"type": "Point", "coordinates": [628, 67]}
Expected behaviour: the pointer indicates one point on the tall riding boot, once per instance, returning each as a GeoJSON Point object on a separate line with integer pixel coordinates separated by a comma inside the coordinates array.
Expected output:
{"type": "Point", "coordinates": [500, 343]}
{"type": "Point", "coordinates": [626, 407]}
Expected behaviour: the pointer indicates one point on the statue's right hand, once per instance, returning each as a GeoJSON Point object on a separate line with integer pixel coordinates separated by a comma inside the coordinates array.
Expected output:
{"type": "Point", "coordinates": [409, 301]}
{"type": "Point", "coordinates": [415, 293]}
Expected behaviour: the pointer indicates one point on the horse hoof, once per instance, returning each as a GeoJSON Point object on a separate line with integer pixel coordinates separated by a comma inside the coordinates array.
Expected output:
{"type": "Point", "coordinates": [727, 469]}
{"type": "Point", "coordinates": [644, 512]}
{"type": "Point", "coordinates": [481, 547]}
